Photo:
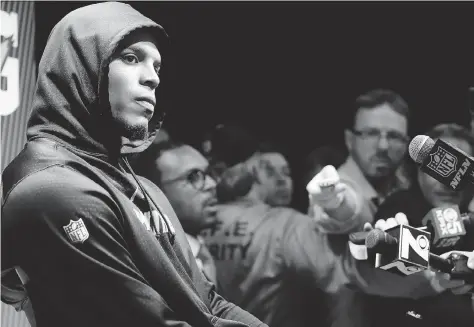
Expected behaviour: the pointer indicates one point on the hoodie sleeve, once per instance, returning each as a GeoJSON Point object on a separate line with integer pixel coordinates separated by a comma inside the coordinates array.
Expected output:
{"type": "Point", "coordinates": [327, 263]}
{"type": "Point", "coordinates": [228, 311]}
{"type": "Point", "coordinates": [14, 293]}
{"type": "Point", "coordinates": [99, 270]}
{"type": "Point", "coordinates": [225, 312]}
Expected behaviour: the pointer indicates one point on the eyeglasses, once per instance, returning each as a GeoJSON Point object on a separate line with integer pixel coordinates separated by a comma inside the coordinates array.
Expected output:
{"type": "Point", "coordinates": [196, 177]}
{"type": "Point", "coordinates": [273, 172]}
{"type": "Point", "coordinates": [373, 135]}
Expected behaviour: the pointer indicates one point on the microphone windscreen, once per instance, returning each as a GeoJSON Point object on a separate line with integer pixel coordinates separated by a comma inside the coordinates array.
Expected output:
{"type": "Point", "coordinates": [419, 147]}
{"type": "Point", "coordinates": [378, 237]}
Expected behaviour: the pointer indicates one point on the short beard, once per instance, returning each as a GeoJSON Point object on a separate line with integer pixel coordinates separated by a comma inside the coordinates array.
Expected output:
{"type": "Point", "coordinates": [133, 132]}
{"type": "Point", "coordinates": [136, 133]}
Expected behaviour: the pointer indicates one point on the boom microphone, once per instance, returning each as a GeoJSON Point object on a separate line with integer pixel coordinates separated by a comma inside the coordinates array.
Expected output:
{"type": "Point", "coordinates": [443, 161]}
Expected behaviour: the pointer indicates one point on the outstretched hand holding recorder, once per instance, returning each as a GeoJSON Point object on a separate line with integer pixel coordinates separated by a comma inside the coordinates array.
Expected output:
{"type": "Point", "coordinates": [336, 202]}
{"type": "Point", "coordinates": [467, 260]}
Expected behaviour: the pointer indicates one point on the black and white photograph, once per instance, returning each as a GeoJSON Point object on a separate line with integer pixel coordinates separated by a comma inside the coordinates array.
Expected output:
{"type": "Point", "coordinates": [237, 163]}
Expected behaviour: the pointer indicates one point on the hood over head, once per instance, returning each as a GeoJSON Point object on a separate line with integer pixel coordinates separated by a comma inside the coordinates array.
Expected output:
{"type": "Point", "coordinates": [71, 100]}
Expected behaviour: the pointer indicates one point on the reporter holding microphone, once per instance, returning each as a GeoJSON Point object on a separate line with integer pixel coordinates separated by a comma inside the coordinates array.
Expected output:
{"type": "Point", "coordinates": [342, 214]}
{"type": "Point", "coordinates": [451, 306]}
{"type": "Point", "coordinates": [463, 287]}
{"type": "Point", "coordinates": [427, 194]}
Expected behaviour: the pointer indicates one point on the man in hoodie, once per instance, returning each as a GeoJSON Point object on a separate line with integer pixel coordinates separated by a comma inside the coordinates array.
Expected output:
{"type": "Point", "coordinates": [95, 244]}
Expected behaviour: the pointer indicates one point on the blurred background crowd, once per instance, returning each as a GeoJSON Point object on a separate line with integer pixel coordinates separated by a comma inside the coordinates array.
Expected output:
{"type": "Point", "coordinates": [262, 97]}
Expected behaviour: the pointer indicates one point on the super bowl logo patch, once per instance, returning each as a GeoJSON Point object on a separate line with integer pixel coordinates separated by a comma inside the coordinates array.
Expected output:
{"type": "Point", "coordinates": [76, 231]}
{"type": "Point", "coordinates": [442, 162]}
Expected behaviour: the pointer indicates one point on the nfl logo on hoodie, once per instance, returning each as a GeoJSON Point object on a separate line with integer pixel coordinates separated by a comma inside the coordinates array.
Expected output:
{"type": "Point", "coordinates": [76, 231]}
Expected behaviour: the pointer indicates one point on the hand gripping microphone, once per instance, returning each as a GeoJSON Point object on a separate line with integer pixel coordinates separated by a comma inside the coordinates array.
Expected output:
{"type": "Point", "coordinates": [446, 225]}
{"type": "Point", "coordinates": [443, 161]}
{"type": "Point", "coordinates": [403, 251]}
{"type": "Point", "coordinates": [357, 245]}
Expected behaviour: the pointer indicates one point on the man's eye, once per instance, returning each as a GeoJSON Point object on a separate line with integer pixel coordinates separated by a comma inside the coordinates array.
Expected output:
{"type": "Point", "coordinates": [373, 132]}
{"type": "Point", "coordinates": [194, 175]}
{"type": "Point", "coordinates": [132, 59]}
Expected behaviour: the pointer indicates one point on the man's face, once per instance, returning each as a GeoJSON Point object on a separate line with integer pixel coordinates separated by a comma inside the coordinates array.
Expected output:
{"type": "Point", "coordinates": [436, 193]}
{"type": "Point", "coordinates": [191, 192]}
{"type": "Point", "coordinates": [275, 179]}
{"type": "Point", "coordinates": [378, 141]}
{"type": "Point", "coordinates": [133, 78]}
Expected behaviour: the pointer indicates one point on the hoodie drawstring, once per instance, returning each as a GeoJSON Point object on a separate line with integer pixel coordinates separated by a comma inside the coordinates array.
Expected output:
{"type": "Point", "coordinates": [169, 225]}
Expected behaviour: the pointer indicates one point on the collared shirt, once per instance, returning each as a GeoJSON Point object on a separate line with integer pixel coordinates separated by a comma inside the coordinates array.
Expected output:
{"type": "Point", "coordinates": [275, 263]}
{"type": "Point", "coordinates": [350, 172]}
{"type": "Point", "coordinates": [271, 261]}
{"type": "Point", "coordinates": [203, 257]}
{"type": "Point", "coordinates": [347, 300]}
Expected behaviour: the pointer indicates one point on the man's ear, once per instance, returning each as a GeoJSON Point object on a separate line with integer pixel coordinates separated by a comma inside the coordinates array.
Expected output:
{"type": "Point", "coordinates": [348, 137]}
{"type": "Point", "coordinates": [253, 168]}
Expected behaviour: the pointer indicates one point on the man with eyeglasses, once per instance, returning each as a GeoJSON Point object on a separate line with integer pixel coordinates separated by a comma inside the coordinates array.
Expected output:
{"type": "Point", "coordinates": [94, 244]}
{"type": "Point", "coordinates": [377, 141]}
{"type": "Point", "coordinates": [425, 194]}
{"type": "Point", "coordinates": [276, 262]}
{"type": "Point", "coordinates": [181, 172]}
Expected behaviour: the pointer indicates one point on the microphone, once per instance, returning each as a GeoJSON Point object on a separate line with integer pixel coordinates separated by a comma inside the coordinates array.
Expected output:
{"type": "Point", "coordinates": [402, 249]}
{"type": "Point", "coordinates": [398, 250]}
{"type": "Point", "coordinates": [442, 161]}
{"type": "Point", "coordinates": [446, 225]}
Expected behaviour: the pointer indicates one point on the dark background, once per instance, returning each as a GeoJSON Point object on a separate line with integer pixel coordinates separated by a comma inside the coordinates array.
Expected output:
{"type": "Point", "coordinates": [291, 70]}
